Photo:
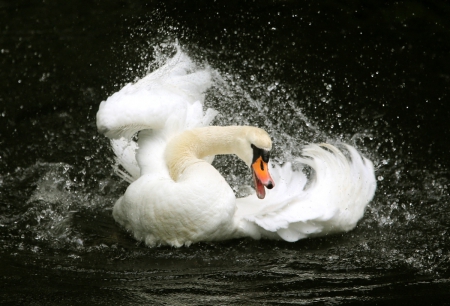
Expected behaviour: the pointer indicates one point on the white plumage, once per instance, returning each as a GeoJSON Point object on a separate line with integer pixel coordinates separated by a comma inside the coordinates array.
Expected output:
{"type": "Point", "coordinates": [177, 198]}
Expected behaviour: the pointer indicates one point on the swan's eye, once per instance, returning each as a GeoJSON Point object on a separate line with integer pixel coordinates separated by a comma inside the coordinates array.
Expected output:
{"type": "Point", "coordinates": [257, 152]}
{"type": "Point", "coordinates": [265, 155]}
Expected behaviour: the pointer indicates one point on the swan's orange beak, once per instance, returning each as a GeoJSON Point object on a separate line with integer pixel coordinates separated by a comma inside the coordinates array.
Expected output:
{"type": "Point", "coordinates": [261, 177]}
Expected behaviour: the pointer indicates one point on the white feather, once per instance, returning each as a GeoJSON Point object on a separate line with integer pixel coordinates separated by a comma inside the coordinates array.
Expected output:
{"type": "Point", "coordinates": [333, 201]}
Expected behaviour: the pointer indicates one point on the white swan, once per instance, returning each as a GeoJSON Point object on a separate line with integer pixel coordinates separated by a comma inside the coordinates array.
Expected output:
{"type": "Point", "coordinates": [176, 197]}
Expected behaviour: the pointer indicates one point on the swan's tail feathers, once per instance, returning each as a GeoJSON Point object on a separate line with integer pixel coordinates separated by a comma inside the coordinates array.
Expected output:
{"type": "Point", "coordinates": [126, 166]}
{"type": "Point", "coordinates": [149, 103]}
{"type": "Point", "coordinates": [331, 200]}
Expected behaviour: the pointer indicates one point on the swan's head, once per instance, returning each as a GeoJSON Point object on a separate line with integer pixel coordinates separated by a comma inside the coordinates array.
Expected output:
{"type": "Point", "coordinates": [251, 144]}
{"type": "Point", "coordinates": [256, 155]}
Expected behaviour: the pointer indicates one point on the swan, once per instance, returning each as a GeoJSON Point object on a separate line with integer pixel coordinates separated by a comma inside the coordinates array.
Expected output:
{"type": "Point", "coordinates": [176, 197]}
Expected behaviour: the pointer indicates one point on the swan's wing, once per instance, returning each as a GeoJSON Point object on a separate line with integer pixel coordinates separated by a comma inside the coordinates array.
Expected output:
{"type": "Point", "coordinates": [149, 103]}
{"type": "Point", "coordinates": [125, 152]}
{"type": "Point", "coordinates": [333, 199]}
{"type": "Point", "coordinates": [162, 104]}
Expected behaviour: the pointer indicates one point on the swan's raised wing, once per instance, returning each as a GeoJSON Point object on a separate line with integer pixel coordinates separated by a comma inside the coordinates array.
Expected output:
{"type": "Point", "coordinates": [162, 104]}
{"type": "Point", "coordinates": [149, 103]}
{"type": "Point", "coordinates": [332, 200]}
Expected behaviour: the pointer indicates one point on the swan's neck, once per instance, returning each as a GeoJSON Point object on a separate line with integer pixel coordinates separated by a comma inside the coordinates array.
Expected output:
{"type": "Point", "coordinates": [191, 146]}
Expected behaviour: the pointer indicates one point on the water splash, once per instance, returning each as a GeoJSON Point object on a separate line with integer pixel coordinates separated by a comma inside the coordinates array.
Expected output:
{"type": "Point", "coordinates": [58, 207]}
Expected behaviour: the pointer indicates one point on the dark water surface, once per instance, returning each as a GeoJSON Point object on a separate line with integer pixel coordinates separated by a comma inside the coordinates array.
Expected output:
{"type": "Point", "coordinates": [373, 75]}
